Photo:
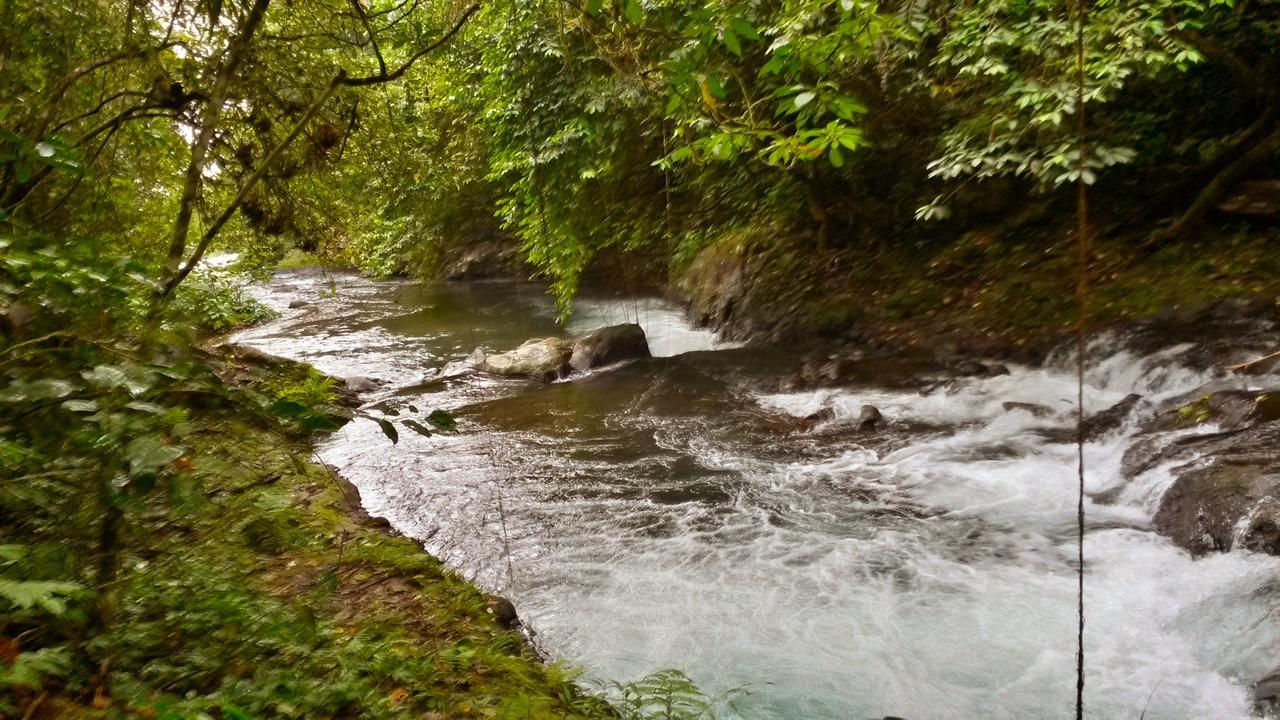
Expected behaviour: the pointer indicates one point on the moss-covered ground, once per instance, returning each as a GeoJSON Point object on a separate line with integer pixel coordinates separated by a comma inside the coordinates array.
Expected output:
{"type": "Point", "coordinates": [258, 590]}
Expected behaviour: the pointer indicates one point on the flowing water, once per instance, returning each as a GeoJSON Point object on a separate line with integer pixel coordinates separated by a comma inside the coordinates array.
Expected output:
{"type": "Point", "coordinates": [675, 513]}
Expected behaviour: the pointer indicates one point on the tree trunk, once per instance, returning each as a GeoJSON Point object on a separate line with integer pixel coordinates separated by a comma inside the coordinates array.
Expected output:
{"type": "Point", "coordinates": [1226, 178]}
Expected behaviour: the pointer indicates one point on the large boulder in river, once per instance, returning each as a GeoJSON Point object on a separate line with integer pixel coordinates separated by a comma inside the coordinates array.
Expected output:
{"type": "Point", "coordinates": [608, 346]}
{"type": "Point", "coordinates": [541, 358]}
{"type": "Point", "coordinates": [1227, 495]}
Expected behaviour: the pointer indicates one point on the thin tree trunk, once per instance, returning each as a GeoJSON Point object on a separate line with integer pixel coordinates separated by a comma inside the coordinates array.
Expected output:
{"type": "Point", "coordinates": [237, 49]}
{"type": "Point", "coordinates": [108, 564]}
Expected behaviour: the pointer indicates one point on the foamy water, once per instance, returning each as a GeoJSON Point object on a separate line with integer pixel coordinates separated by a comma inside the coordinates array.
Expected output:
{"type": "Point", "coordinates": [658, 515]}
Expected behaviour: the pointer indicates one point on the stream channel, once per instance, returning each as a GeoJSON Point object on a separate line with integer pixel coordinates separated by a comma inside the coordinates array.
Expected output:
{"type": "Point", "coordinates": [677, 512]}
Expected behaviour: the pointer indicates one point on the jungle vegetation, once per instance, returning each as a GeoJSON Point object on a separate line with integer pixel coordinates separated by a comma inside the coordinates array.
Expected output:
{"type": "Point", "coordinates": [823, 136]}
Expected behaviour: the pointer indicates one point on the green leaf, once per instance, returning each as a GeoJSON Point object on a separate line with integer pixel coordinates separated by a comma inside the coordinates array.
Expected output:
{"type": "Point", "coordinates": [42, 389]}
{"type": "Point", "coordinates": [803, 99]}
{"type": "Point", "coordinates": [837, 157]}
{"type": "Point", "coordinates": [80, 406]}
{"type": "Point", "coordinates": [387, 429]}
{"type": "Point", "coordinates": [744, 28]}
{"type": "Point", "coordinates": [635, 13]}
{"type": "Point", "coordinates": [731, 41]}
{"type": "Point", "coordinates": [30, 668]}
{"type": "Point", "coordinates": [47, 595]}
{"type": "Point", "coordinates": [148, 454]}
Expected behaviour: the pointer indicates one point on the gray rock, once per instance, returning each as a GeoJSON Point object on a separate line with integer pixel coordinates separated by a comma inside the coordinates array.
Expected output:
{"type": "Point", "coordinates": [504, 611]}
{"type": "Point", "coordinates": [609, 345]}
{"type": "Point", "coordinates": [1227, 495]}
{"type": "Point", "coordinates": [1100, 423]}
{"type": "Point", "coordinates": [544, 359]}
{"type": "Point", "coordinates": [295, 304]}
{"type": "Point", "coordinates": [359, 384]}
{"type": "Point", "coordinates": [1266, 694]}
{"type": "Point", "coordinates": [869, 417]}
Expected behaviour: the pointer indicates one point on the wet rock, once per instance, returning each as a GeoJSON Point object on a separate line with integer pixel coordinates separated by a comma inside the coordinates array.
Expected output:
{"type": "Point", "coordinates": [869, 417]}
{"type": "Point", "coordinates": [1227, 495]}
{"type": "Point", "coordinates": [358, 384]}
{"type": "Point", "coordinates": [1266, 694]}
{"type": "Point", "coordinates": [1220, 403]}
{"type": "Point", "coordinates": [543, 359]}
{"type": "Point", "coordinates": [812, 420]}
{"type": "Point", "coordinates": [973, 368]}
{"type": "Point", "coordinates": [968, 368]}
{"type": "Point", "coordinates": [295, 304]}
{"type": "Point", "coordinates": [1100, 423]}
{"type": "Point", "coordinates": [609, 345]}
{"type": "Point", "coordinates": [1035, 409]}
{"type": "Point", "coordinates": [503, 611]}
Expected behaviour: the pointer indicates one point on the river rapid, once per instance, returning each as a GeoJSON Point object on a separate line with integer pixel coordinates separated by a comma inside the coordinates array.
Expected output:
{"type": "Point", "coordinates": [676, 512]}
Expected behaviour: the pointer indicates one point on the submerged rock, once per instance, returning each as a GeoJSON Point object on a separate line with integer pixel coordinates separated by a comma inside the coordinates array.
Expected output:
{"type": "Point", "coordinates": [608, 346]}
{"type": "Point", "coordinates": [1035, 409]}
{"type": "Point", "coordinates": [295, 304]}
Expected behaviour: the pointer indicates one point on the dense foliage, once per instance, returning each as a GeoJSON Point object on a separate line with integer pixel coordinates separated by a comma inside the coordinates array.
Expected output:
{"type": "Point", "coordinates": [623, 137]}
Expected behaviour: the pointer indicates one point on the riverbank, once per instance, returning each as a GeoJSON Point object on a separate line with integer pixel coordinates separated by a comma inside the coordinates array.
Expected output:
{"type": "Point", "coordinates": [264, 590]}
{"type": "Point", "coordinates": [1006, 290]}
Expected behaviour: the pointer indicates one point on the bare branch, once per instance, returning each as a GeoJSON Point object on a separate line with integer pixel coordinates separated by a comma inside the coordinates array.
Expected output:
{"type": "Point", "coordinates": [384, 77]}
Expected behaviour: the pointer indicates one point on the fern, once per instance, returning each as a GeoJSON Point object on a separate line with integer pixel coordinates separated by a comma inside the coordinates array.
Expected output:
{"type": "Point", "coordinates": [668, 695]}
{"type": "Point", "coordinates": [46, 594]}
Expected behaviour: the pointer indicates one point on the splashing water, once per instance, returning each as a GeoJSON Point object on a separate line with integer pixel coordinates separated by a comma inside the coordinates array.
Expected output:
{"type": "Point", "coordinates": [673, 513]}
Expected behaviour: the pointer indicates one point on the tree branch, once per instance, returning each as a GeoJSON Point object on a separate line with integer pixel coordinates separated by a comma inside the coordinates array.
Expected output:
{"type": "Point", "coordinates": [249, 183]}
{"type": "Point", "coordinates": [384, 76]}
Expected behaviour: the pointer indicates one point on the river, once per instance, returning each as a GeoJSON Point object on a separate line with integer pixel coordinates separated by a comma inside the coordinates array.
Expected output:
{"type": "Point", "coordinates": [675, 513]}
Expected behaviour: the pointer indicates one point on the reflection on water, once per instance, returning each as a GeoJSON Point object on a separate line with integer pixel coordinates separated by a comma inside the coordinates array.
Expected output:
{"type": "Point", "coordinates": [676, 512]}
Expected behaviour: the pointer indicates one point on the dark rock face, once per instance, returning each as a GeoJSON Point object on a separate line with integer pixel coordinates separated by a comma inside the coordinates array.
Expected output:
{"type": "Point", "coordinates": [1220, 403]}
{"type": "Point", "coordinates": [1228, 494]}
{"type": "Point", "coordinates": [1105, 421]}
{"type": "Point", "coordinates": [504, 611]}
{"type": "Point", "coordinates": [869, 418]}
{"type": "Point", "coordinates": [487, 260]}
{"type": "Point", "coordinates": [609, 345]}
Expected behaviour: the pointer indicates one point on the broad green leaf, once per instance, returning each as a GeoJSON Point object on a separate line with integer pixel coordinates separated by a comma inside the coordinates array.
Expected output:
{"type": "Point", "coordinates": [48, 595]}
{"type": "Point", "coordinates": [731, 41]}
{"type": "Point", "coordinates": [148, 454]}
{"type": "Point", "coordinates": [42, 389]}
{"type": "Point", "coordinates": [803, 99]}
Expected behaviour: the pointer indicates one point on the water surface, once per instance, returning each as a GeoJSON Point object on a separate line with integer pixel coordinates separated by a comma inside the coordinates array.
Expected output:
{"type": "Point", "coordinates": [676, 513]}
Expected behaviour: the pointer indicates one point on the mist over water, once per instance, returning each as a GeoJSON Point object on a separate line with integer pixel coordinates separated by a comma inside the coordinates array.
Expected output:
{"type": "Point", "coordinates": [675, 513]}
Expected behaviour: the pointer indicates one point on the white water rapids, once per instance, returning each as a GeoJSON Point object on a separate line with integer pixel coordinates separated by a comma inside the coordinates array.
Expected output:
{"type": "Point", "coordinates": [671, 514]}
